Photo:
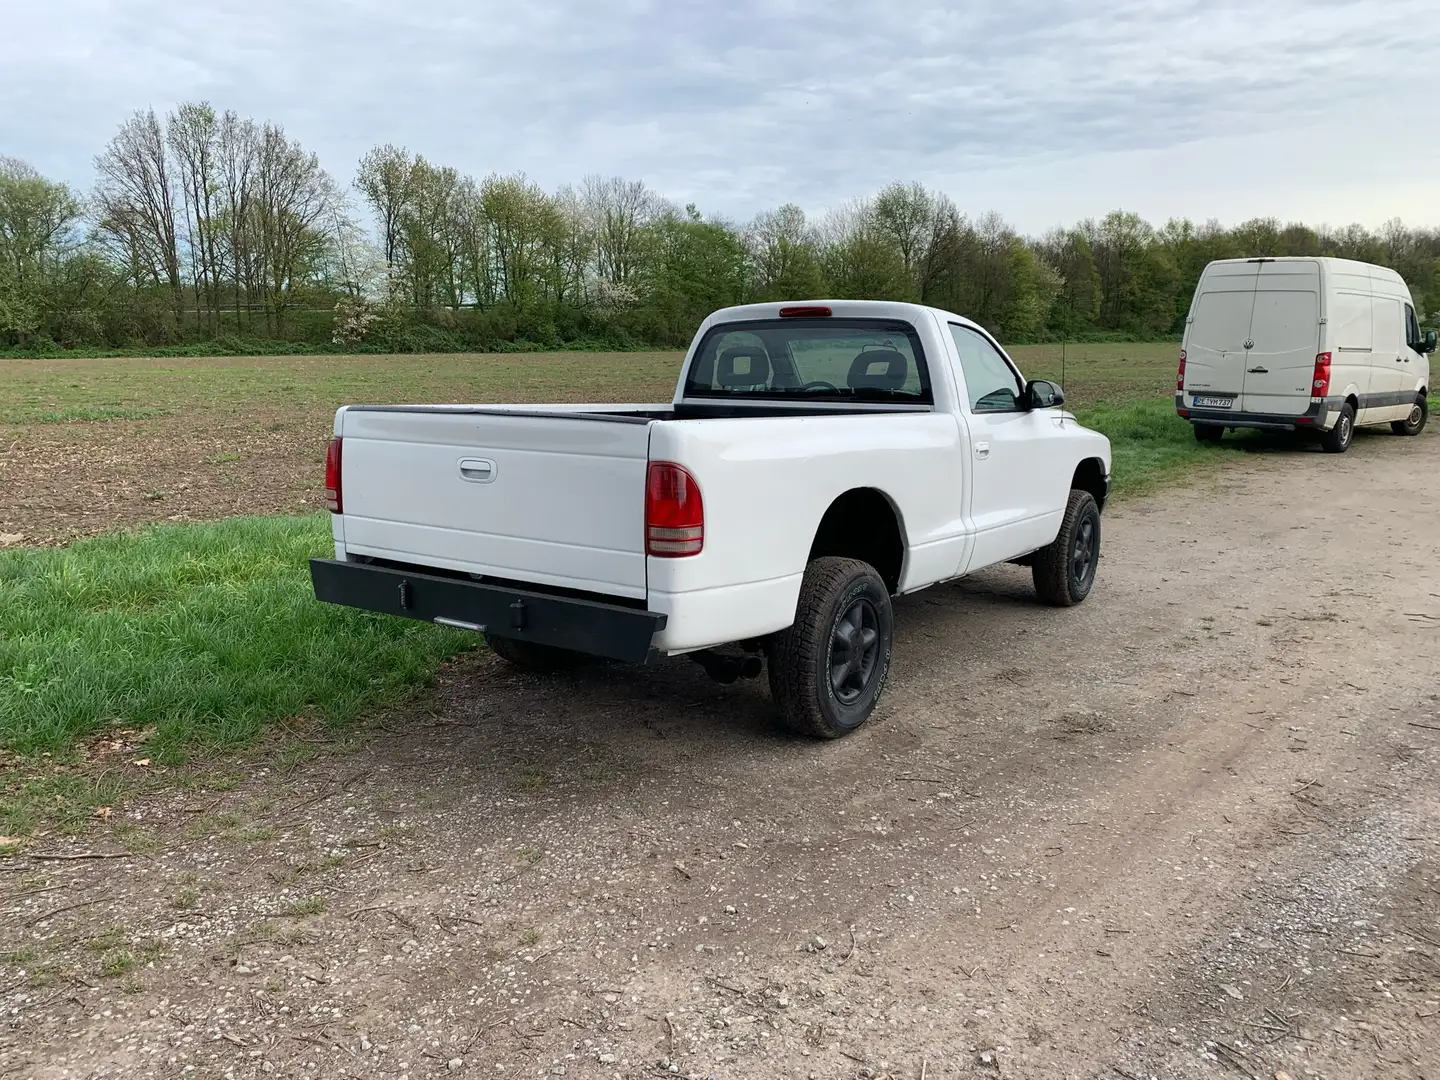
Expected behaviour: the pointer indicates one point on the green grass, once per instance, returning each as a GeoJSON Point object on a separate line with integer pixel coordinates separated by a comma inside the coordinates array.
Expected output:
{"type": "Point", "coordinates": [1150, 445]}
{"type": "Point", "coordinates": [205, 633]}
{"type": "Point", "coordinates": [31, 413]}
{"type": "Point", "coordinates": [313, 906]}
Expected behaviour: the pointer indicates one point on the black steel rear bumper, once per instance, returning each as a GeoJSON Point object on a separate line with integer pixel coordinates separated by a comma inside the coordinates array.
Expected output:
{"type": "Point", "coordinates": [1312, 419]}
{"type": "Point", "coordinates": [585, 626]}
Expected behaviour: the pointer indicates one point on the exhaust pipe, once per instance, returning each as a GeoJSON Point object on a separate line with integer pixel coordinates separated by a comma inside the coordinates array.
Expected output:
{"type": "Point", "coordinates": [726, 669]}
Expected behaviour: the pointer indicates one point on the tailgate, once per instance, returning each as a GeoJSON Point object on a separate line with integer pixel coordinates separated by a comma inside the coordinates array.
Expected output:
{"type": "Point", "coordinates": [550, 498]}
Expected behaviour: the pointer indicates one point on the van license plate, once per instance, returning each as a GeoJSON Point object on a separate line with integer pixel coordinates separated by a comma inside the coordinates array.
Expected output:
{"type": "Point", "coordinates": [1212, 401]}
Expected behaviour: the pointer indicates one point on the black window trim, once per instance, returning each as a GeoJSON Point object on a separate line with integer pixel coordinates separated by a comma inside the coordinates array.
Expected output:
{"type": "Point", "coordinates": [1412, 318]}
{"type": "Point", "coordinates": [925, 398]}
{"type": "Point", "coordinates": [1019, 375]}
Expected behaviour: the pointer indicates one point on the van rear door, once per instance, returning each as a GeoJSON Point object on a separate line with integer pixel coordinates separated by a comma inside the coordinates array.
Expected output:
{"type": "Point", "coordinates": [1215, 340]}
{"type": "Point", "coordinates": [1284, 338]}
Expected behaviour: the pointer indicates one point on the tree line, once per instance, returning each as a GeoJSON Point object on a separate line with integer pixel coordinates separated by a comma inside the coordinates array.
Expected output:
{"type": "Point", "coordinates": [206, 227]}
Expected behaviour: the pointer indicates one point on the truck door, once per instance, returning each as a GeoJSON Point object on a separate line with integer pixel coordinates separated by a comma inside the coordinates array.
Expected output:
{"type": "Point", "coordinates": [1018, 484]}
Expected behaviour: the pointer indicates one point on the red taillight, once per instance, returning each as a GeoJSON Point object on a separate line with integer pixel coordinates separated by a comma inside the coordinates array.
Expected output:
{"type": "Point", "coordinates": [812, 311]}
{"type": "Point", "coordinates": [1180, 376]}
{"type": "Point", "coordinates": [332, 476]}
{"type": "Point", "coordinates": [1320, 384]}
{"type": "Point", "coordinates": [674, 514]}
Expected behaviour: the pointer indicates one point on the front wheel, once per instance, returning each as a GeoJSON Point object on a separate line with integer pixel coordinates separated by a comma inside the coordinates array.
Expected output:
{"type": "Point", "coordinates": [1064, 571]}
{"type": "Point", "coordinates": [1415, 422]}
{"type": "Point", "coordinates": [1209, 433]}
{"type": "Point", "coordinates": [828, 669]}
{"type": "Point", "coordinates": [1337, 439]}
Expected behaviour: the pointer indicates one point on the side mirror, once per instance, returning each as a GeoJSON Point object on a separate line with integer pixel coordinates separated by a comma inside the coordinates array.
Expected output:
{"type": "Point", "coordinates": [1428, 344]}
{"type": "Point", "coordinates": [1043, 394]}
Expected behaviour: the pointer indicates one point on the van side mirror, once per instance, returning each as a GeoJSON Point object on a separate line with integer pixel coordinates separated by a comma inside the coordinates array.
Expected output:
{"type": "Point", "coordinates": [1427, 344]}
{"type": "Point", "coordinates": [1043, 394]}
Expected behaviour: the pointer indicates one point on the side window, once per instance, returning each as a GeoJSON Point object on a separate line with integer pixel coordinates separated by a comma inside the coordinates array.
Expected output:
{"type": "Point", "coordinates": [990, 382]}
{"type": "Point", "coordinates": [1412, 329]}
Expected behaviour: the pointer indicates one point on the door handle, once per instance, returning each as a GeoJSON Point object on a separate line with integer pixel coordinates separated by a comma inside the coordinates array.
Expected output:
{"type": "Point", "coordinates": [982, 449]}
{"type": "Point", "coordinates": [1258, 371]}
{"type": "Point", "coordinates": [477, 470]}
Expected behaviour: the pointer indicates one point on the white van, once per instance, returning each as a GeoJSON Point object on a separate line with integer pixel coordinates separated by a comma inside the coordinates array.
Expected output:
{"type": "Point", "coordinates": [1303, 344]}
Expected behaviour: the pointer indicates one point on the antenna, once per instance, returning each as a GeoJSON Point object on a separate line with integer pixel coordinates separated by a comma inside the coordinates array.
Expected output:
{"type": "Point", "coordinates": [1062, 362]}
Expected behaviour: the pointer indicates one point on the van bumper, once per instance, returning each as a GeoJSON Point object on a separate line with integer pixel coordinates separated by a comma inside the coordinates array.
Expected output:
{"type": "Point", "coordinates": [1316, 418]}
{"type": "Point", "coordinates": [566, 622]}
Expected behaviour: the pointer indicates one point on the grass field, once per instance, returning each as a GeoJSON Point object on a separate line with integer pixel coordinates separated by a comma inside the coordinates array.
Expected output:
{"type": "Point", "coordinates": [202, 634]}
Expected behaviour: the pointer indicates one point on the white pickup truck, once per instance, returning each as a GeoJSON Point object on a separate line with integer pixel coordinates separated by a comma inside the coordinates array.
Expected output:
{"type": "Point", "coordinates": [818, 458]}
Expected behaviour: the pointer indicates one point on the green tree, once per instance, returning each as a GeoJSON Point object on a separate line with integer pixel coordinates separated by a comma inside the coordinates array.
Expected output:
{"type": "Point", "coordinates": [783, 254]}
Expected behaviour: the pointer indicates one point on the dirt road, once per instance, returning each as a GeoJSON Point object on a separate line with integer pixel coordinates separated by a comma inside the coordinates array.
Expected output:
{"type": "Point", "coordinates": [1190, 828]}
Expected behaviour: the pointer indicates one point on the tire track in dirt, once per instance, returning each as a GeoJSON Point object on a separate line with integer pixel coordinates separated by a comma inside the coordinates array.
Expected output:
{"type": "Point", "coordinates": [625, 871]}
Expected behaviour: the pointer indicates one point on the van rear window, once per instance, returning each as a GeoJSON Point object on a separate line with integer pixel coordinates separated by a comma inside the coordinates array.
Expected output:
{"type": "Point", "coordinates": [816, 359]}
{"type": "Point", "coordinates": [1222, 321]}
{"type": "Point", "coordinates": [1285, 319]}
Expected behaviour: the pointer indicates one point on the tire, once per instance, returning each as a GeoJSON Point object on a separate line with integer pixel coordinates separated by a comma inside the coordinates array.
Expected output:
{"type": "Point", "coordinates": [529, 656]}
{"type": "Point", "coordinates": [1064, 571]}
{"type": "Point", "coordinates": [1208, 433]}
{"type": "Point", "coordinates": [1337, 440]}
{"type": "Point", "coordinates": [1415, 422]}
{"type": "Point", "coordinates": [824, 691]}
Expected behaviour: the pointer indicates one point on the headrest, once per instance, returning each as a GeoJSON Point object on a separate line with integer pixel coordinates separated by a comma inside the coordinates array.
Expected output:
{"type": "Point", "coordinates": [744, 366]}
{"type": "Point", "coordinates": [878, 369]}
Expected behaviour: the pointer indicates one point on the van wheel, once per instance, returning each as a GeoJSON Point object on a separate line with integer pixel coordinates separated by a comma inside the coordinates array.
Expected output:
{"type": "Point", "coordinates": [828, 669]}
{"type": "Point", "coordinates": [530, 656]}
{"type": "Point", "coordinates": [1064, 571]}
{"type": "Point", "coordinates": [1209, 433]}
{"type": "Point", "coordinates": [1415, 422]}
{"type": "Point", "coordinates": [1337, 439]}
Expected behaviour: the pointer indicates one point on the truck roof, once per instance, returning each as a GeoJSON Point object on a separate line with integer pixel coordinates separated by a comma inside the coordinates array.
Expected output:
{"type": "Point", "coordinates": [854, 309]}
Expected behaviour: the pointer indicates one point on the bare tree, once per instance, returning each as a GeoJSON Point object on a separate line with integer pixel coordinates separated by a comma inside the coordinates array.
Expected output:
{"type": "Point", "coordinates": [292, 196]}
{"type": "Point", "coordinates": [385, 179]}
{"type": "Point", "coordinates": [193, 136]}
{"type": "Point", "coordinates": [619, 212]}
{"type": "Point", "coordinates": [135, 199]}
{"type": "Point", "coordinates": [239, 142]}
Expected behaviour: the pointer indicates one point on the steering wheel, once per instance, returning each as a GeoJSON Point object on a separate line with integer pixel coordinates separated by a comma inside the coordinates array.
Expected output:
{"type": "Point", "coordinates": [820, 383]}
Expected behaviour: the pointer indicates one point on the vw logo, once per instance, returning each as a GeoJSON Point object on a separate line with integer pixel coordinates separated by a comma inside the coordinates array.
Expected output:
{"type": "Point", "coordinates": [1249, 344]}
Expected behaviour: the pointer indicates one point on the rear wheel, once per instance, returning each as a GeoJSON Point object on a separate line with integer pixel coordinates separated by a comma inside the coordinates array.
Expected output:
{"type": "Point", "coordinates": [1415, 422]}
{"type": "Point", "coordinates": [532, 657]}
{"type": "Point", "coordinates": [828, 669]}
{"type": "Point", "coordinates": [1337, 439]}
{"type": "Point", "coordinates": [1064, 571]}
{"type": "Point", "coordinates": [1208, 433]}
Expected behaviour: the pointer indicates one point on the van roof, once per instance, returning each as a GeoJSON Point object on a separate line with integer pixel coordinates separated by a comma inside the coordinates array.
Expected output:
{"type": "Point", "coordinates": [1349, 265]}
{"type": "Point", "coordinates": [1378, 275]}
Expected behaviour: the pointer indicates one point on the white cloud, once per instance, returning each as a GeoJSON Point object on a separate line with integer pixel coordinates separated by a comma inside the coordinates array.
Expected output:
{"type": "Point", "coordinates": [1044, 109]}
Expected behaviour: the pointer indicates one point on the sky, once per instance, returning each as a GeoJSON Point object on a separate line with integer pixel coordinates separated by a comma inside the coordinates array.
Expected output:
{"type": "Point", "coordinates": [1044, 110]}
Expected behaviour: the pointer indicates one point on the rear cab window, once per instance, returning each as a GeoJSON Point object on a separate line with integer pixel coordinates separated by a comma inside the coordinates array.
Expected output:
{"type": "Point", "coordinates": [822, 359]}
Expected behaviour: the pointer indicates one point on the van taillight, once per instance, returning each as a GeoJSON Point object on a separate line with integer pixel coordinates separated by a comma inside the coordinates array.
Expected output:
{"type": "Point", "coordinates": [1180, 376]}
{"type": "Point", "coordinates": [1320, 385]}
{"type": "Point", "coordinates": [332, 476]}
{"type": "Point", "coordinates": [674, 514]}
